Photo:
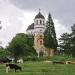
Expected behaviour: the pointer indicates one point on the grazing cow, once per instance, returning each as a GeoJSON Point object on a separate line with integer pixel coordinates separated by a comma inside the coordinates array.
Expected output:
{"type": "Point", "coordinates": [20, 61]}
{"type": "Point", "coordinates": [48, 61]}
{"type": "Point", "coordinates": [67, 62]}
{"type": "Point", "coordinates": [12, 66]}
{"type": "Point", "coordinates": [70, 62]}
{"type": "Point", "coordinates": [5, 60]}
{"type": "Point", "coordinates": [58, 62]}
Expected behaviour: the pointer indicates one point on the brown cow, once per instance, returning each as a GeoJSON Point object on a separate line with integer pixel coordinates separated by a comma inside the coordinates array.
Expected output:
{"type": "Point", "coordinates": [70, 62]}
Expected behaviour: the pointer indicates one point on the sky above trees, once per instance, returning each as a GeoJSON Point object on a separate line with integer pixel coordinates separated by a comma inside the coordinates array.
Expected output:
{"type": "Point", "coordinates": [16, 15]}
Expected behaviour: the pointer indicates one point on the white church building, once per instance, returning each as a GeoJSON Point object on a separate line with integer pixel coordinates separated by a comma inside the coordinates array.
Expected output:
{"type": "Point", "coordinates": [38, 25]}
{"type": "Point", "coordinates": [37, 29]}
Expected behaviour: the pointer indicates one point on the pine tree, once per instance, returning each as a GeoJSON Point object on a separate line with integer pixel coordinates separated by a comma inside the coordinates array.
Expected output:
{"type": "Point", "coordinates": [53, 33]}
{"type": "Point", "coordinates": [73, 40]}
{"type": "Point", "coordinates": [50, 35]}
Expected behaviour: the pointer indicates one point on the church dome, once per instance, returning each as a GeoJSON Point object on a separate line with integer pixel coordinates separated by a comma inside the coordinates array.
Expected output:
{"type": "Point", "coordinates": [30, 26]}
{"type": "Point", "coordinates": [39, 15]}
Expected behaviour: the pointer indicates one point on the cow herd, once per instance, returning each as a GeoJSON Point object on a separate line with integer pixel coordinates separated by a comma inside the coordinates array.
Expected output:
{"type": "Point", "coordinates": [61, 62]}
{"type": "Point", "coordinates": [10, 65]}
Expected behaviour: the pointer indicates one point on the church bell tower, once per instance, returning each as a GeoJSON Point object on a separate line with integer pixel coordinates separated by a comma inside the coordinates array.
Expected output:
{"type": "Point", "coordinates": [39, 28]}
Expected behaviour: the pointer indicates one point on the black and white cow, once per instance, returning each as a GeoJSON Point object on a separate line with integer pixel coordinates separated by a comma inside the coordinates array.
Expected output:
{"type": "Point", "coordinates": [12, 66]}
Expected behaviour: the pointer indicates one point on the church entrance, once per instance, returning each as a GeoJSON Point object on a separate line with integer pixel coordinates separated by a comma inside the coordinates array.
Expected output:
{"type": "Point", "coordinates": [41, 53]}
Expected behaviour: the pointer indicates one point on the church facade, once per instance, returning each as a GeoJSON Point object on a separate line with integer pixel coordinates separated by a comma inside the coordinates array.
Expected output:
{"type": "Point", "coordinates": [37, 29]}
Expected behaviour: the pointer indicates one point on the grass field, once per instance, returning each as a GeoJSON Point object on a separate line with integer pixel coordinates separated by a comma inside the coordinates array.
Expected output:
{"type": "Point", "coordinates": [41, 68]}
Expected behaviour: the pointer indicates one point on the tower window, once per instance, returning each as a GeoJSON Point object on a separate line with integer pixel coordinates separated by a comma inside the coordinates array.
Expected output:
{"type": "Point", "coordinates": [40, 30]}
{"type": "Point", "coordinates": [40, 21]}
{"type": "Point", "coordinates": [37, 22]}
{"type": "Point", "coordinates": [43, 22]}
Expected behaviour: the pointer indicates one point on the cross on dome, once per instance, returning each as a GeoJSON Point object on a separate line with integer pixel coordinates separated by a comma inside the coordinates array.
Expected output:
{"type": "Point", "coordinates": [39, 15]}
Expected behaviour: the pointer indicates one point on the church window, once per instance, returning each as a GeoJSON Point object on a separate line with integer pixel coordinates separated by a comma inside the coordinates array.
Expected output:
{"type": "Point", "coordinates": [37, 22]}
{"type": "Point", "coordinates": [40, 30]}
{"type": "Point", "coordinates": [40, 42]}
{"type": "Point", "coordinates": [43, 22]}
{"type": "Point", "coordinates": [40, 21]}
{"type": "Point", "coordinates": [40, 36]}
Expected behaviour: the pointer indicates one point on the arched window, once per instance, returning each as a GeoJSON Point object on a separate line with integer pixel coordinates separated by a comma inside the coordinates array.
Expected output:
{"type": "Point", "coordinates": [40, 42]}
{"type": "Point", "coordinates": [37, 22]}
{"type": "Point", "coordinates": [40, 30]}
{"type": "Point", "coordinates": [40, 21]}
{"type": "Point", "coordinates": [40, 36]}
{"type": "Point", "coordinates": [43, 22]}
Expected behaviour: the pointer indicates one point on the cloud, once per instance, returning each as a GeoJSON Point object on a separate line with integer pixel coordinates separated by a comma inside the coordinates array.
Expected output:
{"type": "Point", "coordinates": [10, 24]}
{"type": "Point", "coordinates": [59, 28]}
{"type": "Point", "coordinates": [60, 9]}
{"type": "Point", "coordinates": [15, 19]}
{"type": "Point", "coordinates": [27, 20]}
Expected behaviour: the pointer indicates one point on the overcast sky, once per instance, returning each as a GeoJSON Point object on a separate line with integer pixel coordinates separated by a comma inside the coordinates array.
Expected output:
{"type": "Point", "coordinates": [16, 15]}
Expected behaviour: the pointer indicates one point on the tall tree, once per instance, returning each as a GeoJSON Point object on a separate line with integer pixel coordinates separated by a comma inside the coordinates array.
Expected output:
{"type": "Point", "coordinates": [73, 40]}
{"type": "Point", "coordinates": [65, 43]}
{"type": "Point", "coordinates": [50, 35]}
{"type": "Point", "coordinates": [21, 46]}
{"type": "Point", "coordinates": [52, 29]}
{"type": "Point", "coordinates": [68, 42]}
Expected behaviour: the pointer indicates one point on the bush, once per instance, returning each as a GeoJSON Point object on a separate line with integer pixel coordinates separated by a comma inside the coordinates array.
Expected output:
{"type": "Point", "coordinates": [49, 58]}
{"type": "Point", "coordinates": [30, 58]}
{"type": "Point", "coordinates": [34, 58]}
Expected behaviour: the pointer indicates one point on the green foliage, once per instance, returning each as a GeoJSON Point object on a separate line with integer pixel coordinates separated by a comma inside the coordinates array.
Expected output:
{"type": "Point", "coordinates": [48, 58]}
{"type": "Point", "coordinates": [73, 40]}
{"type": "Point", "coordinates": [34, 58]}
{"type": "Point", "coordinates": [73, 46]}
{"type": "Point", "coordinates": [3, 52]}
{"type": "Point", "coordinates": [30, 40]}
{"type": "Point", "coordinates": [68, 42]}
{"type": "Point", "coordinates": [50, 35]}
{"type": "Point", "coordinates": [21, 45]}
{"type": "Point", "coordinates": [48, 40]}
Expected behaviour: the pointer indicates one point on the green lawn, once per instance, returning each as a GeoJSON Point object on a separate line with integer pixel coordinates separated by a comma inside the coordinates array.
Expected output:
{"type": "Point", "coordinates": [41, 68]}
